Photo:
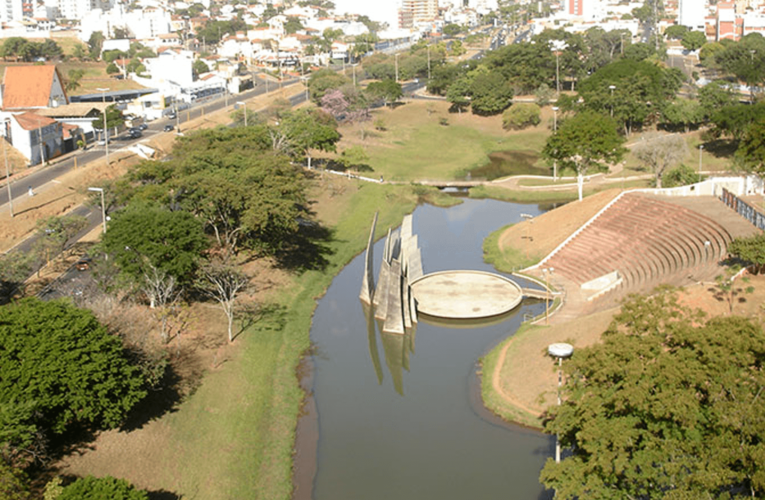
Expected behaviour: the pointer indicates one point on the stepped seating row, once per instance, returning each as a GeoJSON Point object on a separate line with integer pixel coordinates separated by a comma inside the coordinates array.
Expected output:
{"type": "Point", "coordinates": [648, 241]}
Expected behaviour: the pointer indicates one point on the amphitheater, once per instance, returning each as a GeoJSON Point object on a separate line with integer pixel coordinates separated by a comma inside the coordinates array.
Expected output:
{"type": "Point", "coordinates": [646, 238]}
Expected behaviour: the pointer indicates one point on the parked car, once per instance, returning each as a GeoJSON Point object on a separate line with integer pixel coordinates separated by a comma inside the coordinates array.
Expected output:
{"type": "Point", "coordinates": [135, 134]}
{"type": "Point", "coordinates": [102, 142]}
{"type": "Point", "coordinates": [172, 115]}
{"type": "Point", "coordinates": [143, 126]}
{"type": "Point", "coordinates": [83, 264]}
{"type": "Point", "coordinates": [169, 127]}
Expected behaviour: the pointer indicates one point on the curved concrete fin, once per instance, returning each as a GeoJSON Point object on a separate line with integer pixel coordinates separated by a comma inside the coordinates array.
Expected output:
{"type": "Point", "coordinates": [368, 281]}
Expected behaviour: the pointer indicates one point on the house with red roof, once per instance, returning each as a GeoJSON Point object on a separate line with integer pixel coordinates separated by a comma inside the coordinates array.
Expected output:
{"type": "Point", "coordinates": [25, 90]}
{"type": "Point", "coordinates": [38, 138]}
{"type": "Point", "coordinates": [32, 87]}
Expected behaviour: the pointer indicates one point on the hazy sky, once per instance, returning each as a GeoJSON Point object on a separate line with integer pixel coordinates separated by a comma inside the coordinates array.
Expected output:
{"type": "Point", "coordinates": [377, 10]}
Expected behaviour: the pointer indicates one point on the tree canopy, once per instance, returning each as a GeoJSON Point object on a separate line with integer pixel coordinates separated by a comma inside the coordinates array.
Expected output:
{"type": "Point", "coordinates": [669, 405]}
{"type": "Point", "coordinates": [59, 367]}
{"type": "Point", "coordinates": [751, 149]}
{"type": "Point", "coordinates": [587, 141]}
{"type": "Point", "coordinates": [632, 91]}
{"type": "Point", "coordinates": [148, 234]}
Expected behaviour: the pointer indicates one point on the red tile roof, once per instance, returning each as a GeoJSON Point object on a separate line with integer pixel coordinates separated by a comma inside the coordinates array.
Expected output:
{"type": "Point", "coordinates": [28, 86]}
{"type": "Point", "coordinates": [31, 121]}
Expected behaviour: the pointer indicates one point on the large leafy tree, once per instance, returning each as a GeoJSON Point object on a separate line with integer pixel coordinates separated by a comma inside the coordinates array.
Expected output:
{"type": "Point", "coordinates": [232, 181]}
{"type": "Point", "coordinates": [386, 90]}
{"type": "Point", "coordinates": [750, 249]}
{"type": "Point", "coordinates": [745, 59]}
{"type": "Point", "coordinates": [586, 142]}
{"type": "Point", "coordinates": [751, 149]}
{"type": "Point", "coordinates": [59, 367]}
{"type": "Point", "coordinates": [669, 405]}
{"type": "Point", "coordinates": [147, 235]}
{"type": "Point", "coordinates": [631, 91]}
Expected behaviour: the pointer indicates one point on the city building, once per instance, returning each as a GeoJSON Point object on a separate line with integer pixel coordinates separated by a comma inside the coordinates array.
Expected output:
{"type": "Point", "coordinates": [691, 13]}
{"type": "Point", "coordinates": [32, 87]}
{"type": "Point", "coordinates": [413, 12]}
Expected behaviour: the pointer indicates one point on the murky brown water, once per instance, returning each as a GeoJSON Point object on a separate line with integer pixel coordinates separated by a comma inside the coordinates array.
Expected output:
{"type": "Point", "coordinates": [400, 417]}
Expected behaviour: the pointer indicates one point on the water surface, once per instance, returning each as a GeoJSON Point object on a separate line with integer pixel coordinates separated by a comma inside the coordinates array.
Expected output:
{"type": "Point", "coordinates": [398, 416]}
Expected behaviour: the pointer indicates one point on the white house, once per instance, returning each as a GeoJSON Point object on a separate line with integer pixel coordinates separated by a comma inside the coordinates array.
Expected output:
{"type": "Point", "coordinates": [38, 138]}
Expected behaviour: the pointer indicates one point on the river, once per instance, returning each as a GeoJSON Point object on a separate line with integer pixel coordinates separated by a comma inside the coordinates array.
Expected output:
{"type": "Point", "coordinates": [400, 417]}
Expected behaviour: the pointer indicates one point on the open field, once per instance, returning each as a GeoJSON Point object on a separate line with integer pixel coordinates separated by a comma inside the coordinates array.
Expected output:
{"type": "Point", "coordinates": [416, 146]}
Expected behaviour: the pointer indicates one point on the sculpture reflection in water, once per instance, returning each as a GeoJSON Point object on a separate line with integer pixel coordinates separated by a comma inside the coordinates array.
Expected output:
{"type": "Point", "coordinates": [396, 348]}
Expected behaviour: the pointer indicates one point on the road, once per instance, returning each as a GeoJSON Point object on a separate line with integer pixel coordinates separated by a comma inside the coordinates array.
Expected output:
{"type": "Point", "coordinates": [45, 175]}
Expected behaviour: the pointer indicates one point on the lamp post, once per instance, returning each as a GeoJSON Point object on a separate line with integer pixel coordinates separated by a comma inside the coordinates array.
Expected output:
{"type": "Point", "coordinates": [244, 109]}
{"type": "Point", "coordinates": [555, 130]}
{"type": "Point", "coordinates": [611, 88]}
{"type": "Point", "coordinates": [103, 205]}
{"type": "Point", "coordinates": [547, 272]}
{"type": "Point", "coordinates": [701, 148]}
{"type": "Point", "coordinates": [106, 131]}
{"type": "Point", "coordinates": [557, 46]}
{"type": "Point", "coordinates": [559, 351]}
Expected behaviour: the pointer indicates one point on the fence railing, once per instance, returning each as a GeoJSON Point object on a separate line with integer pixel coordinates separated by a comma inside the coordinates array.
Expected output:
{"type": "Point", "coordinates": [744, 209]}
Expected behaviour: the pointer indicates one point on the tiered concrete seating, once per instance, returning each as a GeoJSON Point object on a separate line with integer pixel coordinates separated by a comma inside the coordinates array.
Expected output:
{"type": "Point", "coordinates": [648, 241]}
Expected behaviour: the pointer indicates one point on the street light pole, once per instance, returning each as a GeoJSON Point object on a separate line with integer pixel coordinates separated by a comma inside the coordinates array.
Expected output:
{"type": "Point", "coordinates": [547, 271]}
{"type": "Point", "coordinates": [701, 148]}
{"type": "Point", "coordinates": [106, 131]}
{"type": "Point", "coordinates": [612, 87]}
{"type": "Point", "coordinates": [244, 110]}
{"type": "Point", "coordinates": [103, 205]}
{"type": "Point", "coordinates": [559, 351]}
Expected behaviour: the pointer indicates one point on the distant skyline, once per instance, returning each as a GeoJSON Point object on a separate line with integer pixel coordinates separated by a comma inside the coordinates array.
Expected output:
{"type": "Point", "coordinates": [377, 10]}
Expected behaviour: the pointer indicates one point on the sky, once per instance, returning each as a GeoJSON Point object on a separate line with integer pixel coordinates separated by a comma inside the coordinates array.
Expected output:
{"type": "Point", "coordinates": [377, 10]}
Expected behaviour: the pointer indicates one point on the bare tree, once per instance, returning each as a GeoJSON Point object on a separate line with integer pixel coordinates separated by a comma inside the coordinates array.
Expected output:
{"type": "Point", "coordinates": [660, 151]}
{"type": "Point", "coordinates": [223, 283]}
{"type": "Point", "coordinates": [162, 291]}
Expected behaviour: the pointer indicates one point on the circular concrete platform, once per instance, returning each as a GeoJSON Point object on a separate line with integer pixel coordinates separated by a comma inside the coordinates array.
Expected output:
{"type": "Point", "coordinates": [465, 294]}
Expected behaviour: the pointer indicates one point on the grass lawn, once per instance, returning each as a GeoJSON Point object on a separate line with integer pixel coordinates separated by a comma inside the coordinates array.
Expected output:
{"type": "Point", "coordinates": [415, 145]}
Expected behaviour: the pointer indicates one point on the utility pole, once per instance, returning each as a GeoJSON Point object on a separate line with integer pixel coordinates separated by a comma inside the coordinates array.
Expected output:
{"type": "Point", "coordinates": [7, 177]}
{"type": "Point", "coordinates": [106, 131]}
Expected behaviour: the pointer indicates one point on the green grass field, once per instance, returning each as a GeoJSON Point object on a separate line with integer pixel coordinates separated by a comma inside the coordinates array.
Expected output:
{"type": "Point", "coordinates": [235, 435]}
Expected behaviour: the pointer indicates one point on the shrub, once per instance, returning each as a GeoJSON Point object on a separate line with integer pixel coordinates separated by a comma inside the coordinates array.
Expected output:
{"type": "Point", "coordinates": [520, 116]}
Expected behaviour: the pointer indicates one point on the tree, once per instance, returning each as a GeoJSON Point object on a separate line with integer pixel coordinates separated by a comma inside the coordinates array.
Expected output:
{"type": "Point", "coordinates": [112, 69]}
{"type": "Point", "coordinates": [745, 60]}
{"type": "Point", "coordinates": [293, 25]}
{"type": "Point", "coordinates": [95, 42]}
{"type": "Point", "coordinates": [223, 283]}
{"type": "Point", "coordinates": [323, 81]}
{"type": "Point", "coordinates": [716, 95]}
{"type": "Point", "coordinates": [355, 157]}
{"type": "Point", "coordinates": [162, 291]}
{"type": "Point", "coordinates": [660, 151]}
{"type": "Point", "coordinates": [751, 149]}
{"type": "Point", "coordinates": [641, 90]}
{"type": "Point", "coordinates": [199, 67]}
{"type": "Point", "coordinates": [683, 113]}
{"type": "Point", "coordinates": [58, 231]}
{"type": "Point", "coordinates": [146, 234]}
{"type": "Point", "coordinates": [585, 142]}
{"type": "Point", "coordinates": [114, 118]}
{"type": "Point", "coordinates": [694, 40]}
{"type": "Point", "coordinates": [456, 48]}
{"type": "Point", "coordinates": [80, 52]}
{"type": "Point", "coordinates": [735, 120]}
{"type": "Point", "coordinates": [452, 29]}
{"type": "Point", "coordinates": [458, 94]}
{"type": "Point", "coordinates": [750, 249]}
{"type": "Point", "coordinates": [15, 268]}
{"type": "Point", "coordinates": [73, 80]}
{"type": "Point", "coordinates": [520, 116]}
{"type": "Point", "coordinates": [308, 128]}
{"type": "Point", "coordinates": [59, 368]}
{"type": "Point", "coordinates": [668, 405]}
{"type": "Point", "coordinates": [682, 175]}
{"type": "Point", "coordinates": [708, 54]}
{"type": "Point", "coordinates": [14, 484]}
{"type": "Point", "coordinates": [101, 488]}
{"type": "Point", "coordinates": [387, 90]}
{"type": "Point", "coordinates": [491, 94]}
{"type": "Point", "coordinates": [675, 32]}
